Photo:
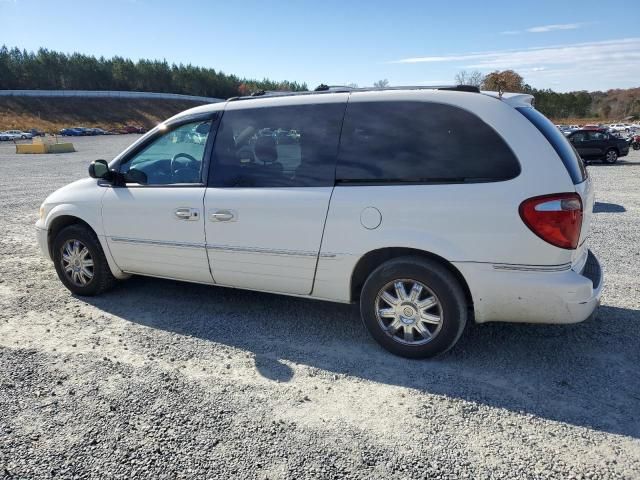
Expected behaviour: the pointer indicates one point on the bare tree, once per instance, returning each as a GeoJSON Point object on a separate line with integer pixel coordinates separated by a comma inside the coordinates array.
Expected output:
{"type": "Point", "coordinates": [474, 78]}
{"type": "Point", "coordinates": [381, 83]}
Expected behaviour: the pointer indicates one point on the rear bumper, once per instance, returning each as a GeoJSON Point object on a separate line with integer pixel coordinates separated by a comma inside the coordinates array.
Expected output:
{"type": "Point", "coordinates": [527, 296]}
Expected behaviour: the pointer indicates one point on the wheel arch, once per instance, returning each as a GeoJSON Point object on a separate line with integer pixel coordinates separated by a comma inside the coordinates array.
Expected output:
{"type": "Point", "coordinates": [60, 222]}
{"type": "Point", "coordinates": [374, 258]}
{"type": "Point", "coordinates": [64, 220]}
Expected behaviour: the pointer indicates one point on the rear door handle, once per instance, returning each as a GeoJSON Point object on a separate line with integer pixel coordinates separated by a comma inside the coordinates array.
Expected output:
{"type": "Point", "coordinates": [186, 213]}
{"type": "Point", "coordinates": [223, 216]}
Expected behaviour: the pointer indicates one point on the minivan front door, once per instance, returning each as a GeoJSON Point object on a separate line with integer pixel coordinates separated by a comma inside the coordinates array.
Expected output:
{"type": "Point", "coordinates": [270, 184]}
{"type": "Point", "coordinates": [156, 227]}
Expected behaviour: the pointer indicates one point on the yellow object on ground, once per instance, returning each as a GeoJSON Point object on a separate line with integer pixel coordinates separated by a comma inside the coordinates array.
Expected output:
{"type": "Point", "coordinates": [45, 145]}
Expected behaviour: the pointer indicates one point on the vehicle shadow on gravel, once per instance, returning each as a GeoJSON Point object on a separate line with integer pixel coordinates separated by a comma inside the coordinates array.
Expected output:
{"type": "Point", "coordinates": [603, 207]}
{"type": "Point", "coordinates": [584, 374]}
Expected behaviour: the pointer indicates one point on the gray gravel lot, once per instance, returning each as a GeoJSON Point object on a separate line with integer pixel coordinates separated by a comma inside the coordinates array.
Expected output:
{"type": "Point", "coordinates": [163, 379]}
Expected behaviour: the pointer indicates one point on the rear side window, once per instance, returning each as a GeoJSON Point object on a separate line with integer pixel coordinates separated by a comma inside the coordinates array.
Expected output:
{"type": "Point", "coordinates": [570, 158]}
{"type": "Point", "coordinates": [420, 142]}
{"type": "Point", "coordinates": [290, 146]}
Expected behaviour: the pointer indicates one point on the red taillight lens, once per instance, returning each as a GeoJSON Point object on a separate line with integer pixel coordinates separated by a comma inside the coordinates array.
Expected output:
{"type": "Point", "coordinates": [556, 218]}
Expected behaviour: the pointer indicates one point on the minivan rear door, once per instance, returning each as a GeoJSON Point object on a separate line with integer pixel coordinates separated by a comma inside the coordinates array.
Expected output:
{"type": "Point", "coordinates": [271, 179]}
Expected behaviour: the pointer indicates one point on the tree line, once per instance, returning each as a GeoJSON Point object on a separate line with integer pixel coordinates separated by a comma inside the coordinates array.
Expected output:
{"type": "Point", "coordinates": [51, 70]}
{"type": "Point", "coordinates": [614, 104]}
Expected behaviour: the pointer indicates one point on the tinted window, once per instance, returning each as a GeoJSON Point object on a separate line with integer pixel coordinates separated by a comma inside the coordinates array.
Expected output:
{"type": "Point", "coordinates": [174, 157]}
{"type": "Point", "coordinates": [294, 146]}
{"type": "Point", "coordinates": [570, 158]}
{"type": "Point", "coordinates": [599, 136]}
{"type": "Point", "coordinates": [578, 137]}
{"type": "Point", "coordinates": [420, 142]}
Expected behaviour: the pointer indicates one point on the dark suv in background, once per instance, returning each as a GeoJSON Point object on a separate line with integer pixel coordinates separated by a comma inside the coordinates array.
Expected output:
{"type": "Point", "coordinates": [598, 144]}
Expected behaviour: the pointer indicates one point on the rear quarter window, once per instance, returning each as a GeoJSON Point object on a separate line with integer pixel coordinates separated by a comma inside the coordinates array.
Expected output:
{"type": "Point", "coordinates": [570, 158]}
{"type": "Point", "coordinates": [420, 142]}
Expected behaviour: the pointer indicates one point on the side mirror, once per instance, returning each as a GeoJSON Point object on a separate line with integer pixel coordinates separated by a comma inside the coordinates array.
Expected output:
{"type": "Point", "coordinates": [99, 169]}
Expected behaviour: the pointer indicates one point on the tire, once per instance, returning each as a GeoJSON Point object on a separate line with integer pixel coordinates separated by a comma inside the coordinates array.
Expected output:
{"type": "Point", "coordinates": [611, 156]}
{"type": "Point", "coordinates": [437, 283]}
{"type": "Point", "coordinates": [636, 146]}
{"type": "Point", "coordinates": [101, 278]}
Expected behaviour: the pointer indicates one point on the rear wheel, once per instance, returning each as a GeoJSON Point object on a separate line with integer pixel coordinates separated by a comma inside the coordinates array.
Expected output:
{"type": "Point", "coordinates": [413, 307]}
{"type": "Point", "coordinates": [80, 261]}
{"type": "Point", "coordinates": [611, 156]}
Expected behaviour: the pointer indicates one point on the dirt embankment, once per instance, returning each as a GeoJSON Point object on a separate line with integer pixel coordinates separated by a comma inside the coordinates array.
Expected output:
{"type": "Point", "coordinates": [52, 114]}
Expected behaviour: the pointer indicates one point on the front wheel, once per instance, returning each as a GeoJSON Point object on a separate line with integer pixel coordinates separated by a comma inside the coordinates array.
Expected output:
{"type": "Point", "coordinates": [413, 307]}
{"type": "Point", "coordinates": [611, 156]}
{"type": "Point", "coordinates": [80, 261]}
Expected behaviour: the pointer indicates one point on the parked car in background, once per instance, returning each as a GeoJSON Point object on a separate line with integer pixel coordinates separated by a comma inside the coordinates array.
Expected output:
{"type": "Point", "coordinates": [6, 136]}
{"type": "Point", "coordinates": [133, 129]}
{"type": "Point", "coordinates": [377, 179]}
{"type": "Point", "coordinates": [97, 131]}
{"type": "Point", "coordinates": [599, 145]}
{"type": "Point", "coordinates": [619, 127]}
{"type": "Point", "coordinates": [71, 132]}
{"type": "Point", "coordinates": [36, 133]}
{"type": "Point", "coordinates": [19, 134]}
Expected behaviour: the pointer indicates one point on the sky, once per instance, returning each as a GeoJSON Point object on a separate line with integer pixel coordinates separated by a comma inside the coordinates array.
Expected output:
{"type": "Point", "coordinates": [562, 45]}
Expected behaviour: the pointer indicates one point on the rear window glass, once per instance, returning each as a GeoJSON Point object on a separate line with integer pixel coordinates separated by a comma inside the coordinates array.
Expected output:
{"type": "Point", "coordinates": [420, 142]}
{"type": "Point", "coordinates": [570, 158]}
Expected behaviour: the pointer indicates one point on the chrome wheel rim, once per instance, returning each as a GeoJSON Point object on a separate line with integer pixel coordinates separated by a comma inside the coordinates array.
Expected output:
{"type": "Point", "coordinates": [76, 262]}
{"type": "Point", "coordinates": [611, 156]}
{"type": "Point", "coordinates": [409, 312]}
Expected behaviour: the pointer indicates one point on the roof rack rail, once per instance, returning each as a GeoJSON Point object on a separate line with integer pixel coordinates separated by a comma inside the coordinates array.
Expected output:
{"type": "Point", "coordinates": [322, 89]}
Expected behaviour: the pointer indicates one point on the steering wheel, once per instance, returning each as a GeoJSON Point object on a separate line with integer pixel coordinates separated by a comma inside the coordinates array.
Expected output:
{"type": "Point", "coordinates": [191, 159]}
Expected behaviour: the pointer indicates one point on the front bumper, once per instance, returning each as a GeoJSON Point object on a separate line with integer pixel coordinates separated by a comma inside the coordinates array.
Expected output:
{"type": "Point", "coordinates": [501, 295]}
{"type": "Point", "coordinates": [43, 242]}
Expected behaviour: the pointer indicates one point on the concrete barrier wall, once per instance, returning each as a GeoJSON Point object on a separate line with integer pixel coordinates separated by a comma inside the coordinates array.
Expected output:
{"type": "Point", "coordinates": [105, 94]}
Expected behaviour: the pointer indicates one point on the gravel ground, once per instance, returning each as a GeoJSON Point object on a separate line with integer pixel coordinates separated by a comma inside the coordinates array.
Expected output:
{"type": "Point", "coordinates": [165, 380]}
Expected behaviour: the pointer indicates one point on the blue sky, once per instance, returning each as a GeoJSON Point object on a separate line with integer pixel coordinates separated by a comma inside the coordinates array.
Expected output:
{"type": "Point", "coordinates": [559, 45]}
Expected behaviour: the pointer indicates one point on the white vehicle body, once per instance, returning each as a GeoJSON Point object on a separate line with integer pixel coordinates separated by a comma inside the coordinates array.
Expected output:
{"type": "Point", "coordinates": [19, 134]}
{"type": "Point", "coordinates": [5, 136]}
{"type": "Point", "coordinates": [619, 127]}
{"type": "Point", "coordinates": [313, 242]}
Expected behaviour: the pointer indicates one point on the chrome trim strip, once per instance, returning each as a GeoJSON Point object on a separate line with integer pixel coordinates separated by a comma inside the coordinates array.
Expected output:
{"type": "Point", "coordinates": [269, 251]}
{"type": "Point", "coordinates": [533, 268]}
{"type": "Point", "coordinates": [222, 248]}
{"type": "Point", "coordinates": [161, 243]}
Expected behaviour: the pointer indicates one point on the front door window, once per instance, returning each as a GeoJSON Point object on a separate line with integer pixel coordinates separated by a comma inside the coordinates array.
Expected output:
{"type": "Point", "coordinates": [176, 157]}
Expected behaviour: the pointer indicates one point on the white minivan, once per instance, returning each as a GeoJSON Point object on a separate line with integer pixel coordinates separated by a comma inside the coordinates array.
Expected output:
{"type": "Point", "coordinates": [427, 206]}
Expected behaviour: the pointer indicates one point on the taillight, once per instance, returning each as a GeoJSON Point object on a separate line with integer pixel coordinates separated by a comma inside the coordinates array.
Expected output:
{"type": "Point", "coordinates": [556, 218]}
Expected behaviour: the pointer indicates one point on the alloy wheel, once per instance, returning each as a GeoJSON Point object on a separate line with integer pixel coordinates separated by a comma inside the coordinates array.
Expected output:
{"type": "Point", "coordinates": [77, 262]}
{"type": "Point", "coordinates": [409, 312]}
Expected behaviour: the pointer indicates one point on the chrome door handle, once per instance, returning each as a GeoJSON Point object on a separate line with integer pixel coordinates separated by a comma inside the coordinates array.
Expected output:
{"type": "Point", "coordinates": [185, 213]}
{"type": "Point", "coordinates": [222, 216]}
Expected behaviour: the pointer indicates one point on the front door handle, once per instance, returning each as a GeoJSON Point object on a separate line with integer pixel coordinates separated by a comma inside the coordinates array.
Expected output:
{"type": "Point", "coordinates": [185, 213]}
{"type": "Point", "coordinates": [223, 216]}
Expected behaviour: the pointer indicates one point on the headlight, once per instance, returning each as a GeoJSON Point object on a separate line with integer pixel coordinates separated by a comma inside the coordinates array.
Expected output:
{"type": "Point", "coordinates": [43, 212]}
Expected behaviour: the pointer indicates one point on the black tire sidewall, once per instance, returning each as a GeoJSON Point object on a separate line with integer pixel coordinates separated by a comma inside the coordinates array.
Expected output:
{"type": "Point", "coordinates": [436, 278]}
{"type": "Point", "coordinates": [91, 242]}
